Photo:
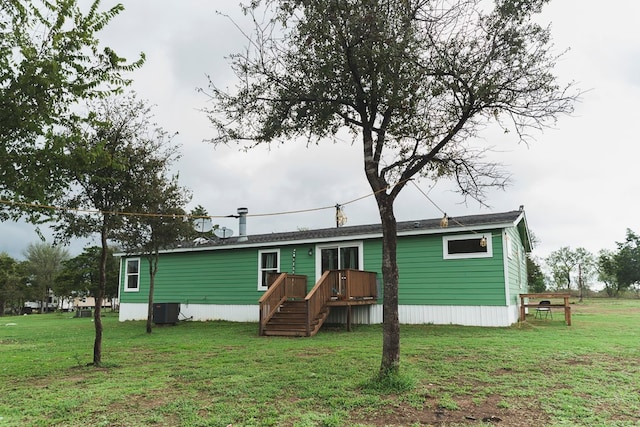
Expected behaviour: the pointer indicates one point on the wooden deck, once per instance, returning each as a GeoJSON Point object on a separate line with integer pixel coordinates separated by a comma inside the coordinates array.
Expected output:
{"type": "Point", "coordinates": [286, 309]}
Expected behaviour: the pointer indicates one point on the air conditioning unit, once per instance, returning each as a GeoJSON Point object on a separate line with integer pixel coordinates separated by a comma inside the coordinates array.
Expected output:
{"type": "Point", "coordinates": [166, 313]}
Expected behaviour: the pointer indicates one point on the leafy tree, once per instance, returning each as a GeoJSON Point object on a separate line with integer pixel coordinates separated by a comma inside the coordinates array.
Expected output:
{"type": "Point", "coordinates": [44, 262]}
{"type": "Point", "coordinates": [607, 268]}
{"type": "Point", "coordinates": [565, 262]}
{"type": "Point", "coordinates": [627, 261]}
{"type": "Point", "coordinates": [105, 157]}
{"type": "Point", "coordinates": [535, 277]}
{"type": "Point", "coordinates": [7, 268]}
{"type": "Point", "coordinates": [163, 199]}
{"type": "Point", "coordinates": [586, 270]}
{"type": "Point", "coordinates": [13, 278]}
{"type": "Point", "coordinates": [415, 81]}
{"type": "Point", "coordinates": [199, 213]}
{"type": "Point", "coordinates": [81, 275]}
{"type": "Point", "coordinates": [50, 58]}
{"type": "Point", "coordinates": [562, 262]}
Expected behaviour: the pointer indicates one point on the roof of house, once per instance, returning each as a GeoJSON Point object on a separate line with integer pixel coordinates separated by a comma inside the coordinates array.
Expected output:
{"type": "Point", "coordinates": [467, 223]}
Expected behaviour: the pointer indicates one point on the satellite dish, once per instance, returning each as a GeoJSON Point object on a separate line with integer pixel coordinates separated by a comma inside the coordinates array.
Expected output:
{"type": "Point", "coordinates": [200, 241]}
{"type": "Point", "coordinates": [202, 225]}
{"type": "Point", "coordinates": [223, 232]}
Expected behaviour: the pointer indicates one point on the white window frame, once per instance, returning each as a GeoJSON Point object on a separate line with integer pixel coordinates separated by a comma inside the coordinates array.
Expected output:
{"type": "Point", "coordinates": [127, 274]}
{"type": "Point", "coordinates": [447, 239]}
{"type": "Point", "coordinates": [260, 269]}
{"type": "Point", "coordinates": [338, 245]}
{"type": "Point", "coordinates": [509, 243]}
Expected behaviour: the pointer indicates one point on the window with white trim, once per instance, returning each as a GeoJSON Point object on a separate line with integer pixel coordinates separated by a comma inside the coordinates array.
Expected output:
{"type": "Point", "coordinates": [132, 275]}
{"type": "Point", "coordinates": [467, 246]}
{"type": "Point", "coordinates": [339, 256]}
{"type": "Point", "coordinates": [268, 262]}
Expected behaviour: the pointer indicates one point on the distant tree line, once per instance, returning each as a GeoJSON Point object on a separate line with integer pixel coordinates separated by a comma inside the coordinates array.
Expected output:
{"type": "Point", "coordinates": [617, 271]}
{"type": "Point", "coordinates": [48, 270]}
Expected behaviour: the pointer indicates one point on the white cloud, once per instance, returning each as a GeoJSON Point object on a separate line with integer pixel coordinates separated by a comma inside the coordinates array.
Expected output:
{"type": "Point", "coordinates": [576, 180]}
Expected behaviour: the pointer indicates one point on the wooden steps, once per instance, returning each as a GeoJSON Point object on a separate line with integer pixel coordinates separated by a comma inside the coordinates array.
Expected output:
{"type": "Point", "coordinates": [286, 310]}
{"type": "Point", "coordinates": [291, 320]}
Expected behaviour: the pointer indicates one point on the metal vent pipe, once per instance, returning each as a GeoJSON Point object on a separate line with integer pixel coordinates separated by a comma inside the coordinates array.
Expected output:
{"type": "Point", "coordinates": [242, 232]}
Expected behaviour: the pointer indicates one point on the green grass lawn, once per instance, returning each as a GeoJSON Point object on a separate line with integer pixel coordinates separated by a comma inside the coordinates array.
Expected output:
{"type": "Point", "coordinates": [217, 374]}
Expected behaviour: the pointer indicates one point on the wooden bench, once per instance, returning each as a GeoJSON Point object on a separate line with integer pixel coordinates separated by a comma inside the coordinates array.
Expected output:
{"type": "Point", "coordinates": [546, 296]}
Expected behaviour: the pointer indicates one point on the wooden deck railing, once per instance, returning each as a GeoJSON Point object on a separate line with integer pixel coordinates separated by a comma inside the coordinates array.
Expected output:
{"type": "Point", "coordinates": [319, 295]}
{"type": "Point", "coordinates": [334, 288]}
{"type": "Point", "coordinates": [347, 285]}
{"type": "Point", "coordinates": [281, 287]}
{"type": "Point", "coordinates": [358, 284]}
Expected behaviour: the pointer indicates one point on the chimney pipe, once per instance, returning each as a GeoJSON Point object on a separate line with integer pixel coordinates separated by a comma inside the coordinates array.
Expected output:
{"type": "Point", "coordinates": [242, 232]}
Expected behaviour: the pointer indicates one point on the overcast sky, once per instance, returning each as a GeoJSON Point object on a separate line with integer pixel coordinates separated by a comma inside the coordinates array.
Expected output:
{"type": "Point", "coordinates": [576, 181]}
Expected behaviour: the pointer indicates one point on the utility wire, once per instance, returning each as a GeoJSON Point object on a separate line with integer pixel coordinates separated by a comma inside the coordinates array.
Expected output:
{"type": "Point", "coordinates": [191, 216]}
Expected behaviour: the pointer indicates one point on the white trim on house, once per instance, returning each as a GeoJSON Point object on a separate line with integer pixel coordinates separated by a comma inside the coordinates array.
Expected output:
{"type": "Point", "coordinates": [227, 312]}
{"type": "Point", "coordinates": [133, 311]}
{"type": "Point", "coordinates": [485, 316]}
{"type": "Point", "coordinates": [338, 244]}
{"type": "Point", "coordinates": [196, 312]}
{"type": "Point", "coordinates": [120, 285]}
{"type": "Point", "coordinates": [474, 236]}
{"type": "Point", "coordinates": [508, 244]}
{"type": "Point", "coordinates": [505, 265]}
{"type": "Point", "coordinates": [336, 239]}
{"type": "Point", "coordinates": [127, 274]}
{"type": "Point", "coordinates": [276, 269]}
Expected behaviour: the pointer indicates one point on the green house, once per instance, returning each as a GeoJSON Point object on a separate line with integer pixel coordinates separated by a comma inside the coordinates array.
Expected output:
{"type": "Point", "coordinates": [468, 273]}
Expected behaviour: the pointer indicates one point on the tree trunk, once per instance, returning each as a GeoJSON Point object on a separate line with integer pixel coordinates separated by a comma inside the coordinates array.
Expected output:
{"type": "Point", "coordinates": [150, 303]}
{"type": "Point", "coordinates": [580, 283]}
{"type": "Point", "coordinates": [43, 304]}
{"type": "Point", "coordinates": [153, 268]}
{"type": "Point", "coordinates": [97, 345]}
{"type": "Point", "coordinates": [390, 320]}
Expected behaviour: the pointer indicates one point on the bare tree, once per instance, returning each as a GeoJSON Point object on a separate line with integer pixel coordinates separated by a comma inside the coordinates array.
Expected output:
{"type": "Point", "coordinates": [415, 81]}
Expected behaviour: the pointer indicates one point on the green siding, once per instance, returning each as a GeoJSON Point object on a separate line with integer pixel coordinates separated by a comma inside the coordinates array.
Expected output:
{"type": "Point", "coordinates": [426, 278]}
{"type": "Point", "coordinates": [304, 264]}
{"type": "Point", "coordinates": [213, 277]}
{"type": "Point", "coordinates": [231, 276]}
{"type": "Point", "coordinates": [516, 266]}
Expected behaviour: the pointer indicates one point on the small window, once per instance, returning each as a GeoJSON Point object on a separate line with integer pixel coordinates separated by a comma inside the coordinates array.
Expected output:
{"type": "Point", "coordinates": [268, 262]}
{"type": "Point", "coordinates": [467, 246]}
{"type": "Point", "coordinates": [133, 275]}
{"type": "Point", "coordinates": [509, 245]}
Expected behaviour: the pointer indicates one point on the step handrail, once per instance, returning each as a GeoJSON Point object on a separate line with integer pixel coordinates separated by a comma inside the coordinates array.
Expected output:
{"type": "Point", "coordinates": [285, 286]}
{"type": "Point", "coordinates": [271, 300]}
{"type": "Point", "coordinates": [317, 298]}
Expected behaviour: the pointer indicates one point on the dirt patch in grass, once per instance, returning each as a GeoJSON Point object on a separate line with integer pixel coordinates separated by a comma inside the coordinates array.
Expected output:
{"type": "Point", "coordinates": [144, 407]}
{"type": "Point", "coordinates": [470, 412]}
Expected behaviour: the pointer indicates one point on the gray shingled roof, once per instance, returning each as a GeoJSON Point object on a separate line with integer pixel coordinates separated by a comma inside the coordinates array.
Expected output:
{"type": "Point", "coordinates": [423, 226]}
